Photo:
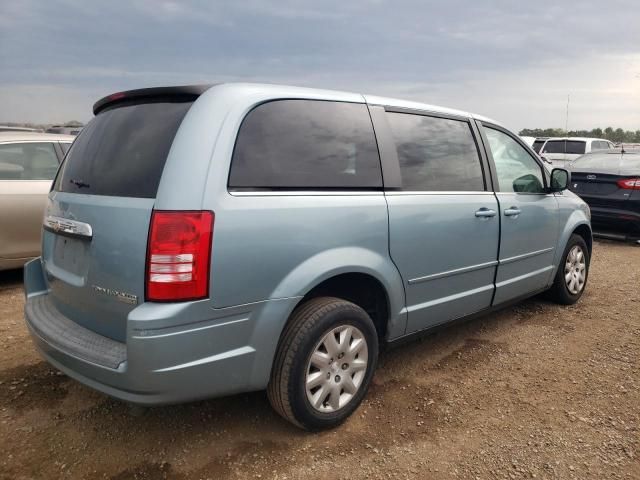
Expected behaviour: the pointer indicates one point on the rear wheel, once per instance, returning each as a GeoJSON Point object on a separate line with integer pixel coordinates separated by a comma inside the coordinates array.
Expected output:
{"type": "Point", "coordinates": [324, 364]}
{"type": "Point", "coordinates": [572, 274]}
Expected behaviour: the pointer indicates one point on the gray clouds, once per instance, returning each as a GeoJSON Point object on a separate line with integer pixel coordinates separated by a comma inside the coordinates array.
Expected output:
{"type": "Point", "coordinates": [509, 60]}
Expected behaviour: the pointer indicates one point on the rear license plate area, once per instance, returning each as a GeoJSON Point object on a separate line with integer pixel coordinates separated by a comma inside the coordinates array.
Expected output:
{"type": "Point", "coordinates": [70, 254]}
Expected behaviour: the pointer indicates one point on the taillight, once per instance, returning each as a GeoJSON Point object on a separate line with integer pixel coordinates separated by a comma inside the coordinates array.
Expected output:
{"type": "Point", "coordinates": [178, 255]}
{"type": "Point", "coordinates": [629, 184]}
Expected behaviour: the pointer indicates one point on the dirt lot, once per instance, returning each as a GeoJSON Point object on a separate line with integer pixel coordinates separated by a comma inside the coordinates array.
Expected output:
{"type": "Point", "coordinates": [535, 391]}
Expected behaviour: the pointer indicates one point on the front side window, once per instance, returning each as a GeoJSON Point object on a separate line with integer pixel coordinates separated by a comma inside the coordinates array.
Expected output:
{"type": "Point", "coordinates": [28, 161]}
{"type": "Point", "coordinates": [306, 144]}
{"type": "Point", "coordinates": [576, 147]}
{"type": "Point", "coordinates": [554, 146]}
{"type": "Point", "coordinates": [517, 171]}
{"type": "Point", "coordinates": [436, 154]}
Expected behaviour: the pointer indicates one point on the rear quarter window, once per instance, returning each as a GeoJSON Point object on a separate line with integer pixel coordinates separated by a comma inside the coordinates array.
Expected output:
{"type": "Point", "coordinates": [122, 151]}
{"type": "Point", "coordinates": [306, 144]}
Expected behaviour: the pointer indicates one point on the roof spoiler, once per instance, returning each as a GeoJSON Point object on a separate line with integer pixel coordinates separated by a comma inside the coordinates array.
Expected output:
{"type": "Point", "coordinates": [155, 94]}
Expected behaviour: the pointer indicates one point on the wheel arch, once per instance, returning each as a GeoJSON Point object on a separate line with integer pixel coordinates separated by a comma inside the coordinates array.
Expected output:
{"type": "Point", "coordinates": [351, 273]}
{"type": "Point", "coordinates": [579, 224]}
{"type": "Point", "coordinates": [364, 290]}
{"type": "Point", "coordinates": [584, 231]}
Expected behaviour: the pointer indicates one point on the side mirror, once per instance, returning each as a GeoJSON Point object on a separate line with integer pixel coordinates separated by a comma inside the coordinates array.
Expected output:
{"type": "Point", "coordinates": [560, 179]}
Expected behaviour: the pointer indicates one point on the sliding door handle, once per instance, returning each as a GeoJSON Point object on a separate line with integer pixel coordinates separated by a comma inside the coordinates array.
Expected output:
{"type": "Point", "coordinates": [485, 213]}
{"type": "Point", "coordinates": [512, 212]}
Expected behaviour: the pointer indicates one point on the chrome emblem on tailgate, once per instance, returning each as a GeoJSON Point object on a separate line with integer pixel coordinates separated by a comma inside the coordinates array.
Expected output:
{"type": "Point", "coordinates": [591, 177]}
{"type": "Point", "coordinates": [120, 296]}
{"type": "Point", "coordinates": [66, 226]}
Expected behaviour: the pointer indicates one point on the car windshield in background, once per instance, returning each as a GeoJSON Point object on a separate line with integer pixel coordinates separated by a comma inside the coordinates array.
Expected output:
{"type": "Point", "coordinates": [537, 145]}
{"type": "Point", "coordinates": [122, 151]}
{"type": "Point", "coordinates": [565, 146]}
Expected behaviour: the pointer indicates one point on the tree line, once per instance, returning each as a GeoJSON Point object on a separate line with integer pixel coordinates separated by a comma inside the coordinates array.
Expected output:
{"type": "Point", "coordinates": [618, 135]}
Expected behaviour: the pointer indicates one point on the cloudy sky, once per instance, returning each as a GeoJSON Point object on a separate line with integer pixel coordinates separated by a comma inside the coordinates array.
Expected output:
{"type": "Point", "coordinates": [513, 61]}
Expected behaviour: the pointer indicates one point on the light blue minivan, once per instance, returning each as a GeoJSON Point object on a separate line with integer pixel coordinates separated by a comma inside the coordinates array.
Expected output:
{"type": "Point", "coordinates": [207, 240]}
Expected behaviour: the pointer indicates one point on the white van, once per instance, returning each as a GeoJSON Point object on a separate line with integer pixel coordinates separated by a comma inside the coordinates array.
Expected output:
{"type": "Point", "coordinates": [562, 151]}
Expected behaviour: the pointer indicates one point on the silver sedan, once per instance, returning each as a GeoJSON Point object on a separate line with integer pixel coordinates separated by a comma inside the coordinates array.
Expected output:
{"type": "Point", "coordinates": [28, 163]}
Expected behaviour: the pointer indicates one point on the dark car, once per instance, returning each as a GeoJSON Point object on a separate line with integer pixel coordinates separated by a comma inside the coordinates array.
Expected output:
{"type": "Point", "coordinates": [610, 183]}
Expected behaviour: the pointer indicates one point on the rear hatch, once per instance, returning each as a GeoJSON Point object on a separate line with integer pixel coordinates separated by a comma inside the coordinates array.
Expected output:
{"type": "Point", "coordinates": [97, 218]}
{"type": "Point", "coordinates": [596, 178]}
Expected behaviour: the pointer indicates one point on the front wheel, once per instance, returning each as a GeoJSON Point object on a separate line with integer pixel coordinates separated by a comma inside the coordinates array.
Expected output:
{"type": "Point", "coordinates": [324, 363]}
{"type": "Point", "coordinates": [573, 271]}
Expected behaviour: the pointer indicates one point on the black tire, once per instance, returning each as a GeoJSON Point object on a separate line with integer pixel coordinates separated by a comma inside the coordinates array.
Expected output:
{"type": "Point", "coordinates": [307, 326]}
{"type": "Point", "coordinates": [559, 291]}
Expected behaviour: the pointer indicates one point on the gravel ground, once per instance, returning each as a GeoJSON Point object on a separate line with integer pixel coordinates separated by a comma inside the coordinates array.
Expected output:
{"type": "Point", "coordinates": [534, 391]}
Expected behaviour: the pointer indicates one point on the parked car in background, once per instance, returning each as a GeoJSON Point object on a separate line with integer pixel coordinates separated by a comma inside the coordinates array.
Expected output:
{"type": "Point", "coordinates": [65, 129]}
{"type": "Point", "coordinates": [561, 151]}
{"type": "Point", "coordinates": [538, 143]}
{"type": "Point", "coordinates": [28, 163]}
{"type": "Point", "coordinates": [610, 183]}
{"type": "Point", "coordinates": [6, 128]}
{"type": "Point", "coordinates": [276, 237]}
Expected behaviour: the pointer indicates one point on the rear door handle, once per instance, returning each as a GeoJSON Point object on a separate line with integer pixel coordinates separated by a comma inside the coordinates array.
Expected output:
{"type": "Point", "coordinates": [512, 212]}
{"type": "Point", "coordinates": [485, 213]}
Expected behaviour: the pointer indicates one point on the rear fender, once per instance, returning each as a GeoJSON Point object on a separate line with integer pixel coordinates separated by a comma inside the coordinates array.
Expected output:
{"type": "Point", "coordinates": [337, 261]}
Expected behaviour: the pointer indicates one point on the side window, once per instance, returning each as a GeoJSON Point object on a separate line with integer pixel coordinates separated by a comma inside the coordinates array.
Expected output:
{"type": "Point", "coordinates": [306, 144]}
{"type": "Point", "coordinates": [517, 171]}
{"type": "Point", "coordinates": [28, 161]}
{"type": "Point", "coordinates": [436, 154]}
{"type": "Point", "coordinates": [554, 146]}
{"type": "Point", "coordinates": [575, 147]}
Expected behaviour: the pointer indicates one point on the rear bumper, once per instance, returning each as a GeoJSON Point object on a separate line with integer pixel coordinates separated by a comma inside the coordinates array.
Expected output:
{"type": "Point", "coordinates": [165, 359]}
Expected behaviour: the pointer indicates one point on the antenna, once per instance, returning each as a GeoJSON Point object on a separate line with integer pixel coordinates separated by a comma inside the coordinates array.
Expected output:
{"type": "Point", "coordinates": [566, 123]}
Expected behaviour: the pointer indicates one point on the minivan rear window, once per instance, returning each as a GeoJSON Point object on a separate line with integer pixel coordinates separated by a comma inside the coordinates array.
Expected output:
{"type": "Point", "coordinates": [298, 144]}
{"type": "Point", "coordinates": [122, 151]}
